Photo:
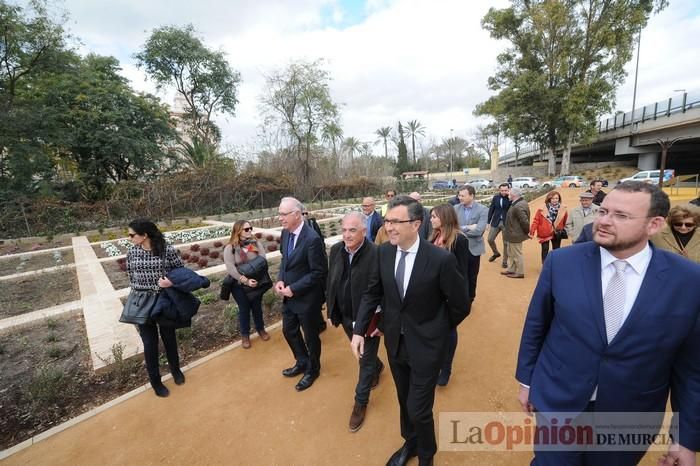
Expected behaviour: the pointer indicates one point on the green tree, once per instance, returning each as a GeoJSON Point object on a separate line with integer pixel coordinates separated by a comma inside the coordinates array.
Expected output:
{"type": "Point", "coordinates": [175, 56]}
{"type": "Point", "coordinates": [565, 61]}
{"type": "Point", "coordinates": [298, 99]}
{"type": "Point", "coordinates": [402, 164]}
{"type": "Point", "coordinates": [332, 133]}
{"type": "Point", "coordinates": [352, 145]}
{"type": "Point", "coordinates": [414, 128]}
{"type": "Point", "coordinates": [384, 134]}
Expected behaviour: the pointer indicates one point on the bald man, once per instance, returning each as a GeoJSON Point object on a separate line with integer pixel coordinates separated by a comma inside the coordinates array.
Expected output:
{"type": "Point", "coordinates": [373, 220]}
{"type": "Point", "coordinates": [426, 228]}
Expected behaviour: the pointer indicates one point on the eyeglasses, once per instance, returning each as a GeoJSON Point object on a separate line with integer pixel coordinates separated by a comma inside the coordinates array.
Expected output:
{"type": "Point", "coordinates": [305, 214]}
{"type": "Point", "coordinates": [389, 196]}
{"type": "Point", "coordinates": [683, 224]}
{"type": "Point", "coordinates": [367, 206]}
{"type": "Point", "coordinates": [350, 230]}
{"type": "Point", "coordinates": [248, 230]}
{"type": "Point", "coordinates": [393, 221]}
{"type": "Point", "coordinates": [618, 216]}
{"type": "Point", "coordinates": [284, 214]}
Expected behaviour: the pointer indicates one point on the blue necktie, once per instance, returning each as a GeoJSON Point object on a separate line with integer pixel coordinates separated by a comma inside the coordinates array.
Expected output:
{"type": "Point", "coordinates": [290, 244]}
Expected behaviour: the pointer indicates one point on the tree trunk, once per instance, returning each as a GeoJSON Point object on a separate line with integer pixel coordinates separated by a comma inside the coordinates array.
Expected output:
{"type": "Point", "coordinates": [566, 156]}
{"type": "Point", "coordinates": [551, 161]}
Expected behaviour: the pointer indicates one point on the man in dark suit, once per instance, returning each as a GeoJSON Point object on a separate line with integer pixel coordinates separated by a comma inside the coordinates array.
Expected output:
{"type": "Point", "coordinates": [497, 222]}
{"type": "Point", "coordinates": [301, 280]}
{"type": "Point", "coordinates": [426, 228]}
{"type": "Point", "coordinates": [423, 297]}
{"type": "Point", "coordinates": [586, 234]}
{"type": "Point", "coordinates": [349, 265]}
{"type": "Point", "coordinates": [373, 220]}
{"type": "Point", "coordinates": [615, 332]}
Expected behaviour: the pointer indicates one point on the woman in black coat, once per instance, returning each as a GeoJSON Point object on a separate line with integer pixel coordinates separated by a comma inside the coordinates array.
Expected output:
{"type": "Point", "coordinates": [148, 261]}
{"type": "Point", "coordinates": [447, 235]}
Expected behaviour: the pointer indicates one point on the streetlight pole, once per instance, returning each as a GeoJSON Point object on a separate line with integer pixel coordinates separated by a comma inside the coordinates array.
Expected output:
{"type": "Point", "coordinates": [665, 146]}
{"type": "Point", "coordinates": [636, 74]}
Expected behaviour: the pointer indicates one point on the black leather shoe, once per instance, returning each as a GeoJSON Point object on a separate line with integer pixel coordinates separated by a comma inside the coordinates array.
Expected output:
{"type": "Point", "coordinates": [425, 461]}
{"type": "Point", "coordinates": [402, 455]}
{"type": "Point", "coordinates": [178, 377]}
{"type": "Point", "coordinates": [295, 370]}
{"type": "Point", "coordinates": [161, 390]}
{"type": "Point", "coordinates": [494, 257]}
{"type": "Point", "coordinates": [306, 382]}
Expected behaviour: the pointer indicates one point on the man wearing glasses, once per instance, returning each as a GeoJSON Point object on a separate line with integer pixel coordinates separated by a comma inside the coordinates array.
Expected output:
{"type": "Point", "coordinates": [423, 297]}
{"type": "Point", "coordinates": [301, 279]}
{"type": "Point", "coordinates": [373, 220]}
{"type": "Point", "coordinates": [612, 326]}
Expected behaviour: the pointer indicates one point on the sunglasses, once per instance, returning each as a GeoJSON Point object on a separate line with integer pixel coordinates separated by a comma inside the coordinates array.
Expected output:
{"type": "Point", "coordinates": [248, 230]}
{"type": "Point", "coordinates": [131, 235]}
{"type": "Point", "coordinates": [683, 224]}
{"type": "Point", "coordinates": [305, 214]}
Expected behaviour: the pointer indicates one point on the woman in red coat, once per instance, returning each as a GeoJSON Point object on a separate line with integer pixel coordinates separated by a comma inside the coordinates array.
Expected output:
{"type": "Point", "coordinates": [548, 222]}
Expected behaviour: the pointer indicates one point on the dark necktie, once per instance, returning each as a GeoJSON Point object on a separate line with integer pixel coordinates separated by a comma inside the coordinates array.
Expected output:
{"type": "Point", "coordinates": [400, 272]}
{"type": "Point", "coordinates": [290, 244]}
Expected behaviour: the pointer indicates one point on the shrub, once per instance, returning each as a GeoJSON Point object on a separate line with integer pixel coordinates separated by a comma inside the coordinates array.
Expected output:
{"type": "Point", "coordinates": [185, 256]}
{"type": "Point", "coordinates": [52, 323]}
{"type": "Point", "coordinates": [193, 259]}
{"type": "Point", "coordinates": [194, 247]}
{"type": "Point", "coordinates": [204, 251]}
{"type": "Point", "coordinates": [272, 247]}
{"type": "Point", "coordinates": [47, 386]}
{"type": "Point", "coordinates": [54, 352]}
{"type": "Point", "coordinates": [230, 314]}
{"type": "Point", "coordinates": [278, 240]}
{"type": "Point", "coordinates": [183, 335]}
{"type": "Point", "coordinates": [122, 266]}
{"type": "Point", "coordinates": [218, 244]}
{"type": "Point", "coordinates": [269, 238]}
{"type": "Point", "coordinates": [203, 262]}
{"type": "Point", "coordinates": [52, 337]}
{"type": "Point", "coordinates": [258, 235]}
{"type": "Point", "coordinates": [270, 298]}
{"type": "Point", "coordinates": [208, 298]}
{"type": "Point", "coordinates": [2, 348]}
{"type": "Point", "coordinates": [214, 254]}
{"type": "Point", "coordinates": [121, 260]}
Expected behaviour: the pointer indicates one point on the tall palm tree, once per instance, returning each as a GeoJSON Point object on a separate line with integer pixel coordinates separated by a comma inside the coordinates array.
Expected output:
{"type": "Point", "coordinates": [384, 133]}
{"type": "Point", "coordinates": [332, 133]}
{"type": "Point", "coordinates": [414, 128]}
{"type": "Point", "coordinates": [352, 145]}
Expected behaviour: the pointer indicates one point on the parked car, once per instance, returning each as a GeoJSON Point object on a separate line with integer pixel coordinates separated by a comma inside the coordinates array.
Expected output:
{"type": "Point", "coordinates": [650, 176]}
{"type": "Point", "coordinates": [442, 184]}
{"type": "Point", "coordinates": [481, 183]}
{"type": "Point", "coordinates": [525, 182]}
{"type": "Point", "coordinates": [567, 181]}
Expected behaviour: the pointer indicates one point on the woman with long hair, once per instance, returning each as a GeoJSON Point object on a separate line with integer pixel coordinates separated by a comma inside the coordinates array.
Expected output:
{"type": "Point", "coordinates": [549, 223]}
{"type": "Point", "coordinates": [447, 235]}
{"type": "Point", "coordinates": [680, 234]}
{"type": "Point", "coordinates": [241, 248]}
{"type": "Point", "coordinates": [148, 261]}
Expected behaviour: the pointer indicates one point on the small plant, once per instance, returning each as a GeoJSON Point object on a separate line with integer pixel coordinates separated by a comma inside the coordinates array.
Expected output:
{"type": "Point", "coordinates": [270, 299]}
{"type": "Point", "coordinates": [258, 235]}
{"type": "Point", "coordinates": [2, 348]}
{"type": "Point", "coordinates": [204, 251]}
{"type": "Point", "coordinates": [278, 240]}
{"type": "Point", "coordinates": [272, 247]}
{"type": "Point", "coordinates": [47, 387]}
{"type": "Point", "coordinates": [122, 266]}
{"type": "Point", "coordinates": [269, 238]}
{"type": "Point", "coordinates": [52, 323]}
{"type": "Point", "coordinates": [214, 254]}
{"type": "Point", "coordinates": [208, 298]}
{"type": "Point", "coordinates": [185, 256]}
{"type": "Point", "coordinates": [194, 247]}
{"type": "Point", "coordinates": [183, 335]}
{"type": "Point", "coordinates": [54, 352]}
{"type": "Point", "coordinates": [218, 244]}
{"type": "Point", "coordinates": [193, 259]}
{"type": "Point", "coordinates": [121, 260]}
{"type": "Point", "coordinates": [203, 262]}
{"type": "Point", "coordinates": [52, 337]}
{"type": "Point", "coordinates": [230, 314]}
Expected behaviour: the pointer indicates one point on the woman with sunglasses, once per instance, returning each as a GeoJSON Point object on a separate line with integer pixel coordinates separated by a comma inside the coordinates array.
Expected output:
{"type": "Point", "coordinates": [243, 247]}
{"type": "Point", "coordinates": [447, 235]}
{"type": "Point", "coordinates": [680, 235]}
{"type": "Point", "coordinates": [148, 261]}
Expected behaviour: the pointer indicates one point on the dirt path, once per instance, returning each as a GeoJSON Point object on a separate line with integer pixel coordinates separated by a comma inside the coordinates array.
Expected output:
{"type": "Point", "coordinates": [238, 409]}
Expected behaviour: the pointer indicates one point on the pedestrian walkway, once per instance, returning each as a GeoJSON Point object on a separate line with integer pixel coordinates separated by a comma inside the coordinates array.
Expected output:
{"type": "Point", "coordinates": [238, 409]}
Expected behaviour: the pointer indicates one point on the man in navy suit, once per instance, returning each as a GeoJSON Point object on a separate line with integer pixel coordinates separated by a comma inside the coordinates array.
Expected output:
{"type": "Point", "coordinates": [372, 218]}
{"type": "Point", "coordinates": [497, 222]}
{"type": "Point", "coordinates": [612, 326]}
{"type": "Point", "coordinates": [301, 279]}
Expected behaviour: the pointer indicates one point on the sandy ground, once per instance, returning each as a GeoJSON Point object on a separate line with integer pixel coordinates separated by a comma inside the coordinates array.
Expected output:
{"type": "Point", "coordinates": [239, 409]}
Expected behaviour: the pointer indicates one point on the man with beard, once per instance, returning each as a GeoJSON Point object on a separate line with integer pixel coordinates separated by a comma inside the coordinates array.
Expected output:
{"type": "Point", "coordinates": [614, 324]}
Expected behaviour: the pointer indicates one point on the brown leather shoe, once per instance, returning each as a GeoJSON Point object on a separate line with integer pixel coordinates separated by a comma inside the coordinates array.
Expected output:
{"type": "Point", "coordinates": [245, 341]}
{"type": "Point", "coordinates": [264, 336]}
{"type": "Point", "coordinates": [357, 417]}
{"type": "Point", "coordinates": [507, 273]}
{"type": "Point", "coordinates": [515, 275]}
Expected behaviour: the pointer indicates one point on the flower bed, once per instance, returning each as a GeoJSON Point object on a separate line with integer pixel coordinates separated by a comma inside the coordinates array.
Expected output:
{"type": "Point", "coordinates": [35, 292]}
{"type": "Point", "coordinates": [13, 265]}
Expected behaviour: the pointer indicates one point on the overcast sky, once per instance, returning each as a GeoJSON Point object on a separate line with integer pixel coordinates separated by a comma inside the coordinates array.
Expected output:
{"type": "Point", "coordinates": [390, 59]}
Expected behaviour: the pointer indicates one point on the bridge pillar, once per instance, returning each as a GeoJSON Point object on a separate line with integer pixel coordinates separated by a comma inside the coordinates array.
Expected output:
{"type": "Point", "coordinates": [648, 161]}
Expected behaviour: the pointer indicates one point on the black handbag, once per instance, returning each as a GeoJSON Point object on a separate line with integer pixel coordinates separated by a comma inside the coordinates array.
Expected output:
{"type": "Point", "coordinates": [140, 303]}
{"type": "Point", "coordinates": [561, 234]}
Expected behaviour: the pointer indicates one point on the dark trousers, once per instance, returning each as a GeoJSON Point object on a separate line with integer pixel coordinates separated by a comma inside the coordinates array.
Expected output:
{"type": "Point", "coordinates": [556, 242]}
{"type": "Point", "coordinates": [584, 457]}
{"type": "Point", "coordinates": [149, 337]}
{"type": "Point", "coordinates": [245, 307]}
{"type": "Point", "coordinates": [416, 394]}
{"type": "Point", "coordinates": [451, 349]}
{"type": "Point", "coordinates": [369, 363]}
{"type": "Point", "coordinates": [307, 347]}
{"type": "Point", "coordinates": [473, 262]}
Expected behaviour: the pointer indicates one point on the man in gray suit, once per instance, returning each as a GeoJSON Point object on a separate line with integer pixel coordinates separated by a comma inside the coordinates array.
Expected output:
{"type": "Point", "coordinates": [472, 217]}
